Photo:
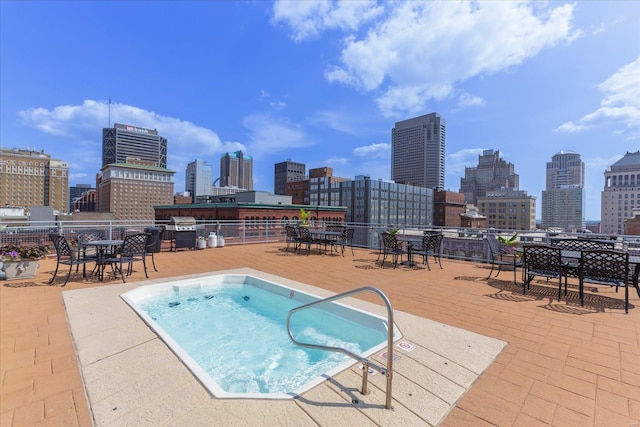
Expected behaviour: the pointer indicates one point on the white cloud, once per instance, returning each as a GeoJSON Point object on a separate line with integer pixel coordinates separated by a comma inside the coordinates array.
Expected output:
{"type": "Point", "coordinates": [421, 50]}
{"type": "Point", "coordinates": [74, 121]}
{"type": "Point", "coordinates": [570, 127]}
{"type": "Point", "coordinates": [621, 103]}
{"type": "Point", "coordinates": [468, 100]}
{"type": "Point", "coordinates": [78, 128]}
{"type": "Point", "coordinates": [338, 120]}
{"type": "Point", "coordinates": [269, 134]}
{"type": "Point", "coordinates": [308, 18]}
{"type": "Point", "coordinates": [374, 151]}
{"type": "Point", "coordinates": [337, 161]}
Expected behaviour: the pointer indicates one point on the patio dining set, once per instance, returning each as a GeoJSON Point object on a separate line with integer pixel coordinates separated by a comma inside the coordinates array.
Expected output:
{"type": "Point", "coordinates": [330, 237]}
{"type": "Point", "coordinates": [99, 252]}
{"type": "Point", "coordinates": [397, 244]}
{"type": "Point", "coordinates": [591, 261]}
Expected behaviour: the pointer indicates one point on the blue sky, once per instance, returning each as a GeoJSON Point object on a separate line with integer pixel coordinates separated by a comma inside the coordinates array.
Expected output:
{"type": "Point", "coordinates": [323, 83]}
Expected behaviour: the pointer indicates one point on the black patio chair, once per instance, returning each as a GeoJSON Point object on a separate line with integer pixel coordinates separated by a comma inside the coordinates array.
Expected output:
{"type": "Point", "coordinates": [577, 245]}
{"type": "Point", "coordinates": [500, 256]}
{"type": "Point", "coordinates": [151, 245]}
{"type": "Point", "coordinates": [303, 237]}
{"type": "Point", "coordinates": [133, 249]}
{"type": "Point", "coordinates": [605, 267]}
{"type": "Point", "coordinates": [545, 261]}
{"type": "Point", "coordinates": [66, 255]}
{"type": "Point", "coordinates": [346, 239]}
{"type": "Point", "coordinates": [431, 245]}
{"type": "Point", "coordinates": [391, 246]}
{"type": "Point", "coordinates": [332, 241]}
{"type": "Point", "coordinates": [291, 236]}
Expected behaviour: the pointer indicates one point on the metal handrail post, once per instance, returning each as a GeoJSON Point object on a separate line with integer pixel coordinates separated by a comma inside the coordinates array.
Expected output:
{"type": "Point", "coordinates": [388, 372]}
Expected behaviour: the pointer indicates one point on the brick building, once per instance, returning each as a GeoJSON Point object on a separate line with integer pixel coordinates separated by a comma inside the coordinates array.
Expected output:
{"type": "Point", "coordinates": [448, 206]}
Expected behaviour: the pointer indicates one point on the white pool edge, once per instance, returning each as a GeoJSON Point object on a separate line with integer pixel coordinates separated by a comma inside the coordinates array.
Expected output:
{"type": "Point", "coordinates": [134, 296]}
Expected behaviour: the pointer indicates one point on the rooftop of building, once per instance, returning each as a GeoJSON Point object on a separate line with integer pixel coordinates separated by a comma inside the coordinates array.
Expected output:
{"type": "Point", "coordinates": [629, 159]}
{"type": "Point", "coordinates": [563, 364]}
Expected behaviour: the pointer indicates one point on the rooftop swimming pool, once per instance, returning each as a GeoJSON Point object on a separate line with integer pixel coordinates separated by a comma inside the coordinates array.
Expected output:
{"type": "Point", "coordinates": [230, 331]}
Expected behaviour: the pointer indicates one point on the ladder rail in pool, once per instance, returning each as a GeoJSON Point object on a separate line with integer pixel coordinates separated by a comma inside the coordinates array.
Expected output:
{"type": "Point", "coordinates": [387, 371]}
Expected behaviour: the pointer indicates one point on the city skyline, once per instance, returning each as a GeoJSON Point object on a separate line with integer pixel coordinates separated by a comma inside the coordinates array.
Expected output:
{"type": "Point", "coordinates": [323, 83]}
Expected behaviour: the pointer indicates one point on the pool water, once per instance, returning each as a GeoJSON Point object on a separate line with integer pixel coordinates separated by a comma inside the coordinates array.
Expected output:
{"type": "Point", "coordinates": [233, 331]}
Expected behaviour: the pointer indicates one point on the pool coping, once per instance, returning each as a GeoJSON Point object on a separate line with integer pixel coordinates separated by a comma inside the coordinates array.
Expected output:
{"type": "Point", "coordinates": [211, 283]}
{"type": "Point", "coordinates": [132, 377]}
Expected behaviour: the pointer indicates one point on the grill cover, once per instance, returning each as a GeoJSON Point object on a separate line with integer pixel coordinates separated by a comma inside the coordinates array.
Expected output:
{"type": "Point", "coordinates": [182, 223]}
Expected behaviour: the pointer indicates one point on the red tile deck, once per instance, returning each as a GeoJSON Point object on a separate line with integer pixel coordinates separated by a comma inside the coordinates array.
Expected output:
{"type": "Point", "coordinates": [564, 364]}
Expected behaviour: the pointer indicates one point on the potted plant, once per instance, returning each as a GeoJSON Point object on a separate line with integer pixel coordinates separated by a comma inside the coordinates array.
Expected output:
{"type": "Point", "coordinates": [21, 262]}
{"type": "Point", "coordinates": [509, 244]}
{"type": "Point", "coordinates": [304, 218]}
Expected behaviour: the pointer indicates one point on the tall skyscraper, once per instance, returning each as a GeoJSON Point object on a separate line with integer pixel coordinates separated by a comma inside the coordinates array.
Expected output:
{"type": "Point", "coordinates": [32, 178]}
{"type": "Point", "coordinates": [236, 170]}
{"type": "Point", "coordinates": [492, 174]}
{"type": "Point", "coordinates": [621, 193]}
{"type": "Point", "coordinates": [417, 151]}
{"type": "Point", "coordinates": [563, 198]}
{"type": "Point", "coordinates": [287, 171]}
{"type": "Point", "coordinates": [198, 179]}
{"type": "Point", "coordinates": [123, 141]}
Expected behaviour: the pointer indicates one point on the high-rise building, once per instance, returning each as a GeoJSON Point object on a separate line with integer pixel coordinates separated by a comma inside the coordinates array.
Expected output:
{"type": "Point", "coordinates": [199, 179]}
{"type": "Point", "coordinates": [287, 171]}
{"type": "Point", "coordinates": [508, 210]}
{"type": "Point", "coordinates": [76, 191]}
{"type": "Point", "coordinates": [236, 170]}
{"type": "Point", "coordinates": [417, 151]}
{"type": "Point", "coordinates": [123, 141]}
{"type": "Point", "coordinates": [563, 197]}
{"type": "Point", "coordinates": [131, 190]}
{"type": "Point", "coordinates": [32, 178]}
{"type": "Point", "coordinates": [492, 174]}
{"type": "Point", "coordinates": [621, 194]}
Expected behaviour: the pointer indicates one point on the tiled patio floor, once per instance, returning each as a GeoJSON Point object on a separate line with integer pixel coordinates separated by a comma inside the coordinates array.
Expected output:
{"type": "Point", "coordinates": [564, 364]}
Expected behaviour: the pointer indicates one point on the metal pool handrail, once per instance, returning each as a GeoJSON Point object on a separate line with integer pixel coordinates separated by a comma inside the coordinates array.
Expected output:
{"type": "Point", "coordinates": [388, 371]}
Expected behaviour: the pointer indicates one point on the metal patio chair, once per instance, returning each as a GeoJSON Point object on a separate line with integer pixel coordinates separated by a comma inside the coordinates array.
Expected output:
{"type": "Point", "coordinates": [431, 245]}
{"type": "Point", "coordinates": [577, 245]}
{"type": "Point", "coordinates": [151, 244]}
{"type": "Point", "coordinates": [303, 237]}
{"type": "Point", "coordinates": [545, 261]}
{"type": "Point", "coordinates": [133, 249]}
{"type": "Point", "coordinates": [66, 255]}
{"type": "Point", "coordinates": [499, 256]}
{"type": "Point", "coordinates": [346, 239]}
{"type": "Point", "coordinates": [391, 246]}
{"type": "Point", "coordinates": [605, 267]}
{"type": "Point", "coordinates": [291, 235]}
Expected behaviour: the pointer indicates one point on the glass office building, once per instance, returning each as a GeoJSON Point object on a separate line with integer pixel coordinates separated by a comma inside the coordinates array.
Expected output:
{"type": "Point", "coordinates": [417, 151]}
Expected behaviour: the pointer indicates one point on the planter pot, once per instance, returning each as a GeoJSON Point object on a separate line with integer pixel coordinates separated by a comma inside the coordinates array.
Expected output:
{"type": "Point", "coordinates": [23, 269]}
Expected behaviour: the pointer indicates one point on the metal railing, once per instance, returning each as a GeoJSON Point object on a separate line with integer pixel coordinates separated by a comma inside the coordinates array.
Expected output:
{"type": "Point", "coordinates": [366, 363]}
{"type": "Point", "coordinates": [458, 243]}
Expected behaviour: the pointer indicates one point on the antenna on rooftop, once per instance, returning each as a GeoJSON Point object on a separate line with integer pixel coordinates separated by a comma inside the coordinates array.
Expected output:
{"type": "Point", "coordinates": [109, 112]}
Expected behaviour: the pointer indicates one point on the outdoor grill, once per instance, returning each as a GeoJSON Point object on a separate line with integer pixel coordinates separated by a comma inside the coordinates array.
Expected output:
{"type": "Point", "coordinates": [183, 231]}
